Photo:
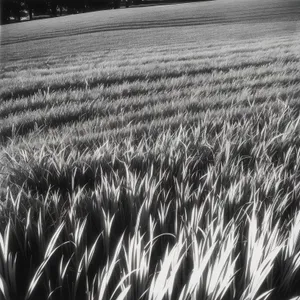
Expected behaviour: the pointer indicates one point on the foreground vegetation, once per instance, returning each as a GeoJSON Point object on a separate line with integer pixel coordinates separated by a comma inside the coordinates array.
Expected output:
{"type": "Point", "coordinates": [165, 173]}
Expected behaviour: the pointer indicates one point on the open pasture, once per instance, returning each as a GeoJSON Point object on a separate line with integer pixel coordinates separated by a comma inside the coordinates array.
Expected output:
{"type": "Point", "coordinates": [138, 27]}
{"type": "Point", "coordinates": [168, 170]}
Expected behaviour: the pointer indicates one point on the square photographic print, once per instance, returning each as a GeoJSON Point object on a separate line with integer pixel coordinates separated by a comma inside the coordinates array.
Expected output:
{"type": "Point", "coordinates": [150, 150]}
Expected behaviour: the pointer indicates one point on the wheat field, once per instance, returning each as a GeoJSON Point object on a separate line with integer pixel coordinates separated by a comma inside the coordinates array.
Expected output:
{"type": "Point", "coordinates": [160, 172]}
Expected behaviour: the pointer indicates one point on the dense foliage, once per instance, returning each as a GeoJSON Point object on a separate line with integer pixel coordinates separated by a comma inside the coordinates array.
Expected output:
{"type": "Point", "coordinates": [161, 173]}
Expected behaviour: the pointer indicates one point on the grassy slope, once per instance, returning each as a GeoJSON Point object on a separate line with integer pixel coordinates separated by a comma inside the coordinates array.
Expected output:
{"type": "Point", "coordinates": [191, 145]}
{"type": "Point", "coordinates": [148, 26]}
{"type": "Point", "coordinates": [205, 13]}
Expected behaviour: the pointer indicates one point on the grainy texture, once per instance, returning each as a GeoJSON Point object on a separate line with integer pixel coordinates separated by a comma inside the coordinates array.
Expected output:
{"type": "Point", "coordinates": [203, 23]}
{"type": "Point", "coordinates": [163, 172]}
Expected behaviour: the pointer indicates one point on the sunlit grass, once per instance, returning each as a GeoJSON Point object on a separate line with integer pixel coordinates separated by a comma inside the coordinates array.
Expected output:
{"type": "Point", "coordinates": [172, 176]}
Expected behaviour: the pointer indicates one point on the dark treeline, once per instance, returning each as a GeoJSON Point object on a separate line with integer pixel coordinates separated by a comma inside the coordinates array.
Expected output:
{"type": "Point", "coordinates": [15, 10]}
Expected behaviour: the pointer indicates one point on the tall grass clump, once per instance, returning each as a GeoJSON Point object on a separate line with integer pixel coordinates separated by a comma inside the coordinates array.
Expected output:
{"type": "Point", "coordinates": [177, 181]}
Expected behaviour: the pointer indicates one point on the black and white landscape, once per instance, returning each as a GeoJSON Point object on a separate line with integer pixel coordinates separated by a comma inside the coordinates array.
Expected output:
{"type": "Point", "coordinates": [152, 153]}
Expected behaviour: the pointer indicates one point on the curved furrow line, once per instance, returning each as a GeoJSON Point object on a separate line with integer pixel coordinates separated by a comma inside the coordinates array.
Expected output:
{"type": "Point", "coordinates": [199, 21]}
{"type": "Point", "coordinates": [189, 15]}
{"type": "Point", "coordinates": [114, 116]}
{"type": "Point", "coordinates": [120, 127]}
{"type": "Point", "coordinates": [43, 85]}
{"type": "Point", "coordinates": [216, 48]}
{"type": "Point", "coordinates": [91, 133]}
{"type": "Point", "coordinates": [132, 93]}
{"type": "Point", "coordinates": [195, 57]}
